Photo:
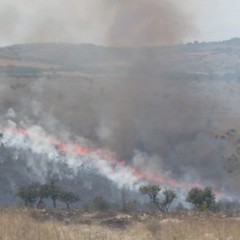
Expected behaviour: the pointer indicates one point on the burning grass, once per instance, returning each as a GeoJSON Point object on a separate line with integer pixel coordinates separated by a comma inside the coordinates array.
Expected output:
{"type": "Point", "coordinates": [77, 225]}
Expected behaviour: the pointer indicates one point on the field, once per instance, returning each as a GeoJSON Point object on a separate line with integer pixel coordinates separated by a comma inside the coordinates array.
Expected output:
{"type": "Point", "coordinates": [26, 224]}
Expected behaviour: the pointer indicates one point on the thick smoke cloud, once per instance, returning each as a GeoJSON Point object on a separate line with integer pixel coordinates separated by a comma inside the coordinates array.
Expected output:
{"type": "Point", "coordinates": [160, 125]}
{"type": "Point", "coordinates": [141, 105]}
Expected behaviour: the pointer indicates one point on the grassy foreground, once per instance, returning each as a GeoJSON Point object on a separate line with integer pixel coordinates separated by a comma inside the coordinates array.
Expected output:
{"type": "Point", "coordinates": [24, 224]}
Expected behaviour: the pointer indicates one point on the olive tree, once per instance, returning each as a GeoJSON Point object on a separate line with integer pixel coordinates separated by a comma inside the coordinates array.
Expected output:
{"type": "Point", "coordinates": [169, 196]}
{"type": "Point", "coordinates": [28, 194]}
{"type": "Point", "coordinates": [68, 197]}
{"type": "Point", "coordinates": [53, 191]}
{"type": "Point", "coordinates": [161, 202]}
{"type": "Point", "coordinates": [201, 198]}
{"type": "Point", "coordinates": [152, 192]}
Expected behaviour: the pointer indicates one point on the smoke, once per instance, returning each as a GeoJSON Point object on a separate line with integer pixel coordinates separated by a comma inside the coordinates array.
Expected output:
{"type": "Point", "coordinates": [52, 21]}
{"type": "Point", "coordinates": [137, 102]}
{"type": "Point", "coordinates": [128, 23]}
{"type": "Point", "coordinates": [35, 140]}
{"type": "Point", "coordinates": [159, 126]}
{"type": "Point", "coordinates": [147, 23]}
{"type": "Point", "coordinates": [162, 116]}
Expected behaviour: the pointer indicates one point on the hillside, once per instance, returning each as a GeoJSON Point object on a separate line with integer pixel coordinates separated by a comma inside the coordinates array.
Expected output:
{"type": "Point", "coordinates": [165, 110]}
{"type": "Point", "coordinates": [218, 59]}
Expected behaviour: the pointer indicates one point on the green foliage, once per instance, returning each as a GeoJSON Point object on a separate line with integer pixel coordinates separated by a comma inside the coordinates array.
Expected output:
{"type": "Point", "coordinates": [53, 191]}
{"type": "Point", "coordinates": [28, 194]}
{"type": "Point", "coordinates": [153, 190]}
{"type": "Point", "coordinates": [201, 198]}
{"type": "Point", "coordinates": [37, 193]}
{"type": "Point", "coordinates": [150, 190]}
{"type": "Point", "coordinates": [195, 197]}
{"type": "Point", "coordinates": [169, 195]}
{"type": "Point", "coordinates": [100, 204]}
{"type": "Point", "coordinates": [68, 198]}
{"type": "Point", "coordinates": [43, 192]}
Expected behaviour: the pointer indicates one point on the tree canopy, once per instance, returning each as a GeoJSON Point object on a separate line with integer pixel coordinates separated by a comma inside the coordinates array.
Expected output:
{"type": "Point", "coordinates": [201, 198]}
{"type": "Point", "coordinates": [153, 193]}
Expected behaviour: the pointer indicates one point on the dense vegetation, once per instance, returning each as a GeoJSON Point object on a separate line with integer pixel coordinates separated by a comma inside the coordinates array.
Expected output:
{"type": "Point", "coordinates": [35, 195]}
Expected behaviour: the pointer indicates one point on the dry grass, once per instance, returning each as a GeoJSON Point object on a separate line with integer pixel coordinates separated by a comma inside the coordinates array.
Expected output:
{"type": "Point", "coordinates": [19, 224]}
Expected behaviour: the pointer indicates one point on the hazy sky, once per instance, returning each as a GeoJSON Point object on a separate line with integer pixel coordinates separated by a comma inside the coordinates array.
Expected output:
{"type": "Point", "coordinates": [216, 19]}
{"type": "Point", "coordinates": [89, 20]}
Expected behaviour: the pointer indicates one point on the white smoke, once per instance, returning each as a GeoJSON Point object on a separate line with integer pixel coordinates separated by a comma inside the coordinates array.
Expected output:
{"type": "Point", "coordinates": [37, 141]}
{"type": "Point", "coordinates": [90, 21]}
{"type": "Point", "coordinates": [10, 113]}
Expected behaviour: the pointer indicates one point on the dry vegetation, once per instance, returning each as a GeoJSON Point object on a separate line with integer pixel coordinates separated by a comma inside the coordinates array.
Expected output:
{"type": "Point", "coordinates": [62, 225]}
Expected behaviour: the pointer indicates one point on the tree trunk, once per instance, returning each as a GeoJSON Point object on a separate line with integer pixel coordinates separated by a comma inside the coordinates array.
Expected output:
{"type": "Point", "coordinates": [68, 207]}
{"type": "Point", "coordinates": [40, 202]}
{"type": "Point", "coordinates": [54, 203]}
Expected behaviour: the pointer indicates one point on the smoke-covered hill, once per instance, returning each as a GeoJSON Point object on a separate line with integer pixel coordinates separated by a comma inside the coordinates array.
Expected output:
{"type": "Point", "coordinates": [170, 112]}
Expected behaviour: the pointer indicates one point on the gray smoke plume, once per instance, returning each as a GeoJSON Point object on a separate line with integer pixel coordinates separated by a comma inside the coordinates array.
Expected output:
{"type": "Point", "coordinates": [139, 102]}
{"type": "Point", "coordinates": [147, 23]}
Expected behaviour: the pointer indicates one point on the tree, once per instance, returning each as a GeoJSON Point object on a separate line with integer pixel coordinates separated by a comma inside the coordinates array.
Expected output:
{"type": "Point", "coordinates": [53, 191]}
{"type": "Point", "coordinates": [124, 192]}
{"type": "Point", "coordinates": [209, 198]}
{"type": "Point", "coordinates": [169, 195]}
{"type": "Point", "coordinates": [152, 192]}
{"type": "Point", "coordinates": [28, 194]}
{"type": "Point", "coordinates": [37, 193]}
{"type": "Point", "coordinates": [68, 198]}
{"type": "Point", "coordinates": [43, 192]}
{"type": "Point", "coordinates": [195, 197]}
{"type": "Point", "coordinates": [201, 198]}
